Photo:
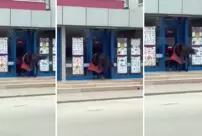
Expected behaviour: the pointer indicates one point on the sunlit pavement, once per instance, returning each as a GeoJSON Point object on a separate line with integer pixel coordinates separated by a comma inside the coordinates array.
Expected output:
{"type": "Point", "coordinates": [27, 116]}
{"type": "Point", "coordinates": [101, 118]}
{"type": "Point", "coordinates": [173, 115]}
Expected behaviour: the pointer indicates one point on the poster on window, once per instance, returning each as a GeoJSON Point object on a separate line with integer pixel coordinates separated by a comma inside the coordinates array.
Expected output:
{"type": "Point", "coordinates": [150, 35]}
{"type": "Point", "coordinates": [122, 46]}
{"type": "Point", "coordinates": [44, 46]}
{"type": "Point", "coordinates": [135, 65]}
{"type": "Point", "coordinates": [44, 65]}
{"type": "Point", "coordinates": [54, 47]}
{"type": "Point", "coordinates": [122, 65]}
{"type": "Point", "coordinates": [197, 58]}
{"type": "Point", "coordinates": [54, 63]}
{"type": "Point", "coordinates": [4, 63]}
{"type": "Point", "coordinates": [135, 46]}
{"type": "Point", "coordinates": [77, 46]}
{"type": "Point", "coordinates": [78, 68]}
{"type": "Point", "coordinates": [196, 35]}
{"type": "Point", "coordinates": [150, 55]}
{"type": "Point", "coordinates": [3, 45]}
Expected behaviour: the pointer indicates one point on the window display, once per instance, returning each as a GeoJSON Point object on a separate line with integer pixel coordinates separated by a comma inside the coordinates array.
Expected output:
{"type": "Point", "coordinates": [4, 63]}
{"type": "Point", "coordinates": [136, 64]}
{"type": "Point", "coordinates": [44, 46]}
{"type": "Point", "coordinates": [44, 65]}
{"type": "Point", "coordinates": [3, 45]}
{"type": "Point", "coordinates": [150, 35]}
{"type": "Point", "coordinates": [122, 65]}
{"type": "Point", "coordinates": [150, 56]}
{"type": "Point", "coordinates": [78, 66]}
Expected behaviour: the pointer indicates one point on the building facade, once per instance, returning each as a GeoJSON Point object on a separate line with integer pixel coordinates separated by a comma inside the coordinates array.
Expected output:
{"type": "Point", "coordinates": [168, 23]}
{"type": "Point", "coordinates": [112, 26]}
{"type": "Point", "coordinates": [26, 26]}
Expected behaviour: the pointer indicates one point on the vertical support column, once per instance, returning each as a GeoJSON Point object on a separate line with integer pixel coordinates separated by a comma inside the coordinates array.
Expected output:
{"type": "Point", "coordinates": [58, 54]}
{"type": "Point", "coordinates": [186, 37]}
{"type": "Point", "coordinates": [112, 38]}
{"type": "Point", "coordinates": [63, 53]}
{"type": "Point", "coordinates": [162, 34]}
{"type": "Point", "coordinates": [35, 33]}
{"type": "Point", "coordinates": [90, 49]}
{"type": "Point", "coordinates": [13, 48]}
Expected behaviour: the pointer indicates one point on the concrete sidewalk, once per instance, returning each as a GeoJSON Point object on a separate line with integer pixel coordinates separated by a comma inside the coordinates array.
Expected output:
{"type": "Point", "coordinates": [173, 89]}
{"type": "Point", "coordinates": [10, 93]}
{"type": "Point", "coordinates": [98, 96]}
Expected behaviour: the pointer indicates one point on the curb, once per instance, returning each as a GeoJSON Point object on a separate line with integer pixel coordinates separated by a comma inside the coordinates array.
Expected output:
{"type": "Point", "coordinates": [15, 86]}
{"type": "Point", "coordinates": [175, 92]}
{"type": "Point", "coordinates": [28, 95]}
{"type": "Point", "coordinates": [174, 81]}
{"type": "Point", "coordinates": [101, 99]}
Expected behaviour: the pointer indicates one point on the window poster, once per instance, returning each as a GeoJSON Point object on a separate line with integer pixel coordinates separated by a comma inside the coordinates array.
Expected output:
{"type": "Point", "coordinates": [54, 47]}
{"type": "Point", "coordinates": [122, 46]}
{"type": "Point", "coordinates": [197, 58]}
{"type": "Point", "coordinates": [78, 64]}
{"type": "Point", "coordinates": [44, 46]}
{"type": "Point", "coordinates": [77, 46]}
{"type": "Point", "coordinates": [4, 63]}
{"type": "Point", "coordinates": [54, 63]}
{"type": "Point", "coordinates": [150, 55]}
{"type": "Point", "coordinates": [122, 65]}
{"type": "Point", "coordinates": [136, 64]}
{"type": "Point", "coordinates": [44, 65]}
{"type": "Point", "coordinates": [150, 35]}
{"type": "Point", "coordinates": [135, 46]}
{"type": "Point", "coordinates": [3, 45]}
{"type": "Point", "coordinates": [196, 35]}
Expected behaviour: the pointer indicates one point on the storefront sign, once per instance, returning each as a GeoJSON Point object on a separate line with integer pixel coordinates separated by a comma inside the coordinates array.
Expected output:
{"type": "Point", "coordinates": [3, 45]}
{"type": "Point", "coordinates": [122, 65]}
{"type": "Point", "coordinates": [135, 46]}
{"type": "Point", "coordinates": [150, 35]}
{"type": "Point", "coordinates": [44, 46]}
{"type": "Point", "coordinates": [135, 65]}
{"type": "Point", "coordinates": [150, 55]}
{"type": "Point", "coordinates": [196, 35]}
{"type": "Point", "coordinates": [44, 65]}
{"type": "Point", "coordinates": [4, 63]}
{"type": "Point", "coordinates": [77, 65]}
{"type": "Point", "coordinates": [197, 58]}
{"type": "Point", "coordinates": [77, 46]}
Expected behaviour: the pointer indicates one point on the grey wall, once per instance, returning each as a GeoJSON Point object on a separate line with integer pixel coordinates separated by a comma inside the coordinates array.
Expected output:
{"type": "Point", "coordinates": [186, 7]}
{"type": "Point", "coordinates": [27, 18]}
{"type": "Point", "coordinates": [80, 16]}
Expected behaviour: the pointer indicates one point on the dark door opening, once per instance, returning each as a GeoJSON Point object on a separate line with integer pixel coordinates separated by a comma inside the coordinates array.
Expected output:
{"type": "Point", "coordinates": [20, 52]}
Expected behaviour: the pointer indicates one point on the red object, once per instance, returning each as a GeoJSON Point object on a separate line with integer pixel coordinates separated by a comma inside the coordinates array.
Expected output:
{"type": "Point", "coordinates": [174, 57]}
{"type": "Point", "coordinates": [94, 68]}
{"type": "Point", "coordinates": [25, 67]}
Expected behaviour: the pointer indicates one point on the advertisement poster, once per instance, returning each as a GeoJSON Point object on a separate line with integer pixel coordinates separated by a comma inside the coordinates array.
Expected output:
{"type": "Point", "coordinates": [135, 46]}
{"type": "Point", "coordinates": [54, 47]}
{"type": "Point", "coordinates": [150, 56]}
{"type": "Point", "coordinates": [3, 45]}
{"type": "Point", "coordinates": [196, 35]}
{"type": "Point", "coordinates": [54, 63]}
{"type": "Point", "coordinates": [77, 68]}
{"type": "Point", "coordinates": [122, 46]}
{"type": "Point", "coordinates": [197, 58]}
{"type": "Point", "coordinates": [122, 65]}
{"type": "Point", "coordinates": [150, 35]}
{"type": "Point", "coordinates": [4, 63]}
{"type": "Point", "coordinates": [44, 46]}
{"type": "Point", "coordinates": [135, 65]}
{"type": "Point", "coordinates": [77, 46]}
{"type": "Point", "coordinates": [44, 65]}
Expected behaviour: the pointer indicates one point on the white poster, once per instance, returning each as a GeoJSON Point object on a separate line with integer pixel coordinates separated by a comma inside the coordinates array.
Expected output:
{"type": "Point", "coordinates": [135, 65]}
{"type": "Point", "coordinates": [77, 68]}
{"type": "Point", "coordinates": [135, 46]}
{"type": "Point", "coordinates": [54, 63]}
{"type": "Point", "coordinates": [150, 55]}
{"type": "Point", "coordinates": [150, 35]}
{"type": "Point", "coordinates": [44, 46]}
{"type": "Point", "coordinates": [54, 47]}
{"type": "Point", "coordinates": [77, 46]}
{"type": "Point", "coordinates": [3, 45]}
{"type": "Point", "coordinates": [121, 51]}
{"type": "Point", "coordinates": [4, 63]}
{"type": "Point", "coordinates": [196, 35]}
{"type": "Point", "coordinates": [122, 65]}
{"type": "Point", "coordinates": [44, 65]}
{"type": "Point", "coordinates": [122, 43]}
{"type": "Point", "coordinates": [197, 58]}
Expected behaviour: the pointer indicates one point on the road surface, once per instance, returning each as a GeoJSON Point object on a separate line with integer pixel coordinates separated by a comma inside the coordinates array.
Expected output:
{"type": "Point", "coordinates": [101, 118]}
{"type": "Point", "coordinates": [27, 116]}
{"type": "Point", "coordinates": [173, 115]}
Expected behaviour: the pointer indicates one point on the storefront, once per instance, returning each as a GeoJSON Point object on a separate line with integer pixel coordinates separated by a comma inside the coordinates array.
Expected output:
{"type": "Point", "coordinates": [14, 43]}
{"type": "Point", "coordinates": [123, 47]}
{"type": "Point", "coordinates": [164, 32]}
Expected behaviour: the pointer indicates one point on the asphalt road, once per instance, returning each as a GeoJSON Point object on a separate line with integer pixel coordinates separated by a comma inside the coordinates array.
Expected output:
{"type": "Point", "coordinates": [101, 118]}
{"type": "Point", "coordinates": [173, 115]}
{"type": "Point", "coordinates": [29, 116]}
